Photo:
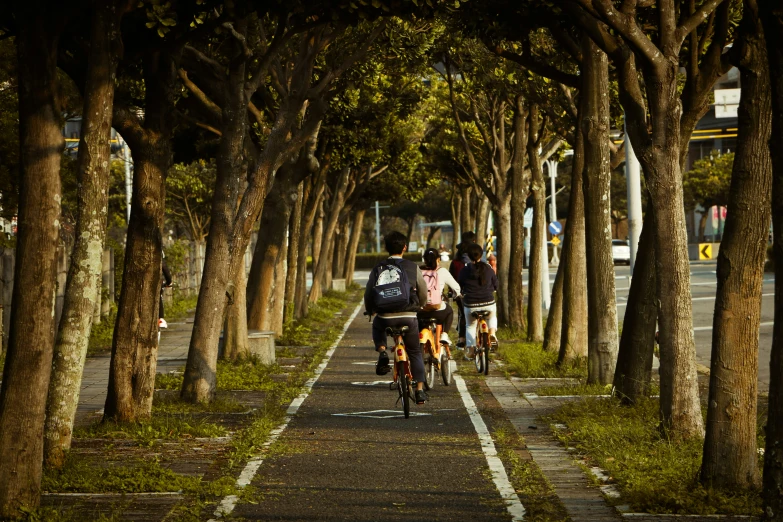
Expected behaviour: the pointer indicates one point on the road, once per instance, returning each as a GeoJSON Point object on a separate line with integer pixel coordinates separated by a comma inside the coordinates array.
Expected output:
{"type": "Point", "coordinates": [703, 285]}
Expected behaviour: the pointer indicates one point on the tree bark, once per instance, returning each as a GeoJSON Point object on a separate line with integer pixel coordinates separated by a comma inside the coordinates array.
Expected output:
{"type": "Point", "coordinates": [772, 17]}
{"type": "Point", "coordinates": [519, 192]}
{"type": "Point", "coordinates": [503, 232]}
{"type": "Point", "coordinates": [135, 344]}
{"type": "Point", "coordinates": [535, 327]}
{"type": "Point", "coordinates": [314, 195]}
{"type": "Point", "coordinates": [554, 320]}
{"type": "Point", "coordinates": [637, 344]}
{"type": "Point", "coordinates": [430, 236]}
{"type": "Point", "coordinates": [456, 218]}
{"type": "Point", "coordinates": [268, 254]}
{"type": "Point", "coordinates": [573, 336]}
{"type": "Point", "coordinates": [294, 237]}
{"type": "Point", "coordinates": [482, 217]}
{"type": "Point", "coordinates": [235, 340]}
{"type": "Point", "coordinates": [318, 232]}
{"type": "Point", "coordinates": [199, 381]}
{"type": "Point", "coordinates": [341, 246]}
{"type": "Point", "coordinates": [28, 361]}
{"type": "Point", "coordinates": [468, 218]}
{"type": "Point", "coordinates": [328, 234]}
{"type": "Point", "coordinates": [601, 306]}
{"type": "Point", "coordinates": [277, 305]}
{"type": "Point", "coordinates": [82, 291]}
{"type": "Point", "coordinates": [680, 405]}
{"type": "Point", "coordinates": [730, 458]}
{"type": "Point", "coordinates": [353, 245]}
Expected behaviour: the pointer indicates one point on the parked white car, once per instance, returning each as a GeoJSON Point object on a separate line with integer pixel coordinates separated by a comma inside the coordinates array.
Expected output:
{"type": "Point", "coordinates": [621, 252]}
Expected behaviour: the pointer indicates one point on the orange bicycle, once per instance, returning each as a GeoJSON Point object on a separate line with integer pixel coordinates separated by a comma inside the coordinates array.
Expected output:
{"type": "Point", "coordinates": [436, 354]}
{"type": "Point", "coordinates": [403, 379]}
{"type": "Point", "coordinates": [483, 343]}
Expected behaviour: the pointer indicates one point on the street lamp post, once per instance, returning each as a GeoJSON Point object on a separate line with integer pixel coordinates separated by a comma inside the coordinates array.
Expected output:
{"type": "Point", "coordinates": [634, 184]}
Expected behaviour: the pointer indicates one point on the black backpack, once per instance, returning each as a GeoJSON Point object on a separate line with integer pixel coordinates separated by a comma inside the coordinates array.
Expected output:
{"type": "Point", "coordinates": [392, 291]}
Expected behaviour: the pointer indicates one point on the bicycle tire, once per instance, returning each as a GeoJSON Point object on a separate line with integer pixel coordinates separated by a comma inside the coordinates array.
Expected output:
{"type": "Point", "coordinates": [405, 389]}
{"type": "Point", "coordinates": [485, 353]}
{"type": "Point", "coordinates": [478, 360]}
{"type": "Point", "coordinates": [429, 367]}
{"type": "Point", "coordinates": [445, 369]}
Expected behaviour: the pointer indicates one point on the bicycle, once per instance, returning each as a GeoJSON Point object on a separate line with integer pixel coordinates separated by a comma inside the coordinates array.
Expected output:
{"type": "Point", "coordinates": [436, 354]}
{"type": "Point", "coordinates": [402, 376]}
{"type": "Point", "coordinates": [483, 344]}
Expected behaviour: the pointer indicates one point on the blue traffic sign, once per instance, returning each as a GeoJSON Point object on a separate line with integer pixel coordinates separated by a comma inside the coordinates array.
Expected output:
{"type": "Point", "coordinates": [555, 228]}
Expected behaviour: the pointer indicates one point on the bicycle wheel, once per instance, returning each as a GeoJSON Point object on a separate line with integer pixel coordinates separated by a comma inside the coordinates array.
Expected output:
{"type": "Point", "coordinates": [478, 359]}
{"type": "Point", "coordinates": [445, 369]}
{"type": "Point", "coordinates": [405, 389]}
{"type": "Point", "coordinates": [485, 353]}
{"type": "Point", "coordinates": [431, 370]}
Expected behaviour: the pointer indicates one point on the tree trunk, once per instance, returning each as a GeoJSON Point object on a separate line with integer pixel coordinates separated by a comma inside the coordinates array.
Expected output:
{"type": "Point", "coordinates": [430, 236]}
{"type": "Point", "coordinates": [601, 306]}
{"type": "Point", "coordinates": [554, 320]}
{"type": "Point", "coordinates": [519, 192]}
{"type": "Point", "coordinates": [680, 405]}
{"type": "Point", "coordinates": [28, 361]}
{"type": "Point", "coordinates": [341, 247]}
{"type": "Point", "coordinates": [199, 381]}
{"type": "Point", "coordinates": [235, 342]}
{"type": "Point", "coordinates": [277, 305]}
{"type": "Point", "coordinates": [772, 17]}
{"type": "Point", "coordinates": [468, 219]}
{"type": "Point", "coordinates": [318, 232]}
{"type": "Point", "coordinates": [573, 335]}
{"type": "Point", "coordinates": [294, 238]}
{"type": "Point", "coordinates": [268, 254]}
{"type": "Point", "coordinates": [135, 345]}
{"type": "Point", "coordinates": [482, 217]}
{"type": "Point", "coordinates": [535, 327]}
{"type": "Point", "coordinates": [328, 243]}
{"type": "Point", "coordinates": [730, 458]}
{"type": "Point", "coordinates": [456, 218]}
{"type": "Point", "coordinates": [82, 291]}
{"type": "Point", "coordinates": [314, 197]}
{"type": "Point", "coordinates": [353, 245]}
{"type": "Point", "coordinates": [637, 344]}
{"type": "Point", "coordinates": [503, 230]}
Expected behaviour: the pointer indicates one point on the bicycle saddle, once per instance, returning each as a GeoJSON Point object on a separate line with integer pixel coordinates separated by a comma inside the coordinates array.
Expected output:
{"type": "Point", "coordinates": [480, 313]}
{"type": "Point", "coordinates": [396, 330]}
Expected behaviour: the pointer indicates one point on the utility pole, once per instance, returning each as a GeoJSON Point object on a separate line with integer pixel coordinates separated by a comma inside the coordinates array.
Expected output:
{"type": "Point", "coordinates": [634, 184]}
{"type": "Point", "coordinates": [552, 169]}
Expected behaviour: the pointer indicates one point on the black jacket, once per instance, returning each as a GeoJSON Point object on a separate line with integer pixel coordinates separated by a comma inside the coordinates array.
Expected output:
{"type": "Point", "coordinates": [473, 293]}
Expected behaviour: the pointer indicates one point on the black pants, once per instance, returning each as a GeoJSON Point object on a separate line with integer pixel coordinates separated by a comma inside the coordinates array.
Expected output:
{"type": "Point", "coordinates": [461, 322]}
{"type": "Point", "coordinates": [411, 339]}
{"type": "Point", "coordinates": [444, 317]}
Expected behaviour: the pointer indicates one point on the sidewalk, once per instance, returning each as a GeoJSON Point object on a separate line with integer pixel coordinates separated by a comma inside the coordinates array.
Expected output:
{"type": "Point", "coordinates": [172, 354]}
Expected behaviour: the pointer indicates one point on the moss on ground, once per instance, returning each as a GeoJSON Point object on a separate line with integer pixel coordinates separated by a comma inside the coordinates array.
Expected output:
{"type": "Point", "coordinates": [654, 474]}
{"type": "Point", "coordinates": [523, 359]}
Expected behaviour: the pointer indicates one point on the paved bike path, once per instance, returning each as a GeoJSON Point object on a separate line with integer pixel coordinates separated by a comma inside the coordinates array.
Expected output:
{"type": "Point", "coordinates": [335, 461]}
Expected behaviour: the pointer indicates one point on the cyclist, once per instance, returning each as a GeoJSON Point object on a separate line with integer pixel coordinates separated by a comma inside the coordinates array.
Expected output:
{"type": "Point", "coordinates": [478, 282]}
{"type": "Point", "coordinates": [394, 292]}
{"type": "Point", "coordinates": [459, 262]}
{"type": "Point", "coordinates": [437, 279]}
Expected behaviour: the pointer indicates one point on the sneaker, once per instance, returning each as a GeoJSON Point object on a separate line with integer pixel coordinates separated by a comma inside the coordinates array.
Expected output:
{"type": "Point", "coordinates": [421, 397]}
{"type": "Point", "coordinates": [471, 353]}
{"type": "Point", "coordinates": [461, 343]}
{"type": "Point", "coordinates": [444, 338]}
{"type": "Point", "coordinates": [493, 342]}
{"type": "Point", "coordinates": [382, 368]}
{"type": "Point", "coordinates": [162, 323]}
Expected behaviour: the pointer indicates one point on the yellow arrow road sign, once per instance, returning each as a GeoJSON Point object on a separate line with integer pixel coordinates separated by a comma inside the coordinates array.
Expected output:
{"type": "Point", "coordinates": [705, 251]}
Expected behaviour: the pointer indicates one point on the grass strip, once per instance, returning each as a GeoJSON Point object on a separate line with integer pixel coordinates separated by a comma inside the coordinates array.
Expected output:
{"type": "Point", "coordinates": [529, 360]}
{"type": "Point", "coordinates": [654, 474]}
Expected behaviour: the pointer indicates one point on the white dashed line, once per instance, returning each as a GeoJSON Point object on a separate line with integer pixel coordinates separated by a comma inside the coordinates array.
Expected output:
{"type": "Point", "coordinates": [499, 476]}
{"type": "Point", "coordinates": [229, 502]}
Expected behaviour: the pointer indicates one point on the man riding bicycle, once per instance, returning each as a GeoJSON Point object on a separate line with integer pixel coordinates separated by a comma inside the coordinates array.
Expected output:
{"type": "Point", "coordinates": [394, 293]}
